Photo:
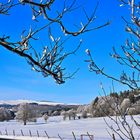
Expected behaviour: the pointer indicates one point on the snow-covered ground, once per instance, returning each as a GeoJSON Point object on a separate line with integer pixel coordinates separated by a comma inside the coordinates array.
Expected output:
{"type": "Point", "coordinates": [55, 126]}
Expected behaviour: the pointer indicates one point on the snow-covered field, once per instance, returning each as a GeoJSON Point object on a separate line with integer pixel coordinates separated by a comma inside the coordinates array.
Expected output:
{"type": "Point", "coordinates": [55, 126]}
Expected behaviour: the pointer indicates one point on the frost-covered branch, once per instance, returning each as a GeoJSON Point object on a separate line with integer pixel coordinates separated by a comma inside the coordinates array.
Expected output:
{"type": "Point", "coordinates": [49, 61]}
{"type": "Point", "coordinates": [130, 51]}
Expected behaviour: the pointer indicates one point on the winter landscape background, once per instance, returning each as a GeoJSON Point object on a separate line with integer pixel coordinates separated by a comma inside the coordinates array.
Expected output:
{"type": "Point", "coordinates": [58, 77]}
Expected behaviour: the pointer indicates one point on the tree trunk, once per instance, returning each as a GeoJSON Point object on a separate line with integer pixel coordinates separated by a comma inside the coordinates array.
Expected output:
{"type": "Point", "coordinates": [24, 122]}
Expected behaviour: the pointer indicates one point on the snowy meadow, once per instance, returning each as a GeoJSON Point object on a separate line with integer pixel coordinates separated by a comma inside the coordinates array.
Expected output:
{"type": "Point", "coordinates": [56, 126]}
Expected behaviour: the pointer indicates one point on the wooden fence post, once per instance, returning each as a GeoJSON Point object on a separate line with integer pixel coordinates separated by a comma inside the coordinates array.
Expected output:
{"type": "Point", "coordinates": [47, 134]}
{"type": "Point", "coordinates": [37, 133]}
{"type": "Point", "coordinates": [90, 136]}
{"type": "Point", "coordinates": [6, 133]}
{"type": "Point", "coordinates": [22, 132]}
{"type": "Point", "coordinates": [113, 137]}
{"type": "Point", "coordinates": [74, 135]}
{"type": "Point", "coordinates": [30, 133]}
{"type": "Point", "coordinates": [60, 137]}
{"type": "Point", "coordinates": [13, 132]}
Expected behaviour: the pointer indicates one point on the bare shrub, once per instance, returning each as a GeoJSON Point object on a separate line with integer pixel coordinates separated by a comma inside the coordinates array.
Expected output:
{"type": "Point", "coordinates": [46, 117]}
{"type": "Point", "coordinates": [84, 114]}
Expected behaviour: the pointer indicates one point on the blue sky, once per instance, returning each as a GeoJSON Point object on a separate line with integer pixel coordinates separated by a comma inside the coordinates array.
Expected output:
{"type": "Point", "coordinates": [17, 81]}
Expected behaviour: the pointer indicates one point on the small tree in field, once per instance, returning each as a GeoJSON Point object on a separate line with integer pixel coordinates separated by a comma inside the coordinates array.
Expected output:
{"type": "Point", "coordinates": [26, 113]}
{"type": "Point", "coordinates": [46, 117]}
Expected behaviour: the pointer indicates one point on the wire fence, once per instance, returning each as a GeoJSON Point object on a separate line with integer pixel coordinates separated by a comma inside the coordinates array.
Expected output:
{"type": "Point", "coordinates": [44, 134]}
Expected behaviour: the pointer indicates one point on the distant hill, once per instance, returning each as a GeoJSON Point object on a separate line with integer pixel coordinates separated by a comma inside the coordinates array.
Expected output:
{"type": "Point", "coordinates": [41, 106]}
{"type": "Point", "coordinates": [16, 102]}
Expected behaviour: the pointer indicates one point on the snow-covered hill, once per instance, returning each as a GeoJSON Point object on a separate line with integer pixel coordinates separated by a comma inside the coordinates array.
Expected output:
{"type": "Point", "coordinates": [16, 102]}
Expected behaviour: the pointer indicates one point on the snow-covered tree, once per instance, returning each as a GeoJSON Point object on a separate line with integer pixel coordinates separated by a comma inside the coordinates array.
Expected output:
{"type": "Point", "coordinates": [125, 105]}
{"type": "Point", "coordinates": [132, 111]}
{"type": "Point", "coordinates": [26, 112]}
{"type": "Point", "coordinates": [103, 106]}
{"type": "Point", "coordinates": [137, 106]}
{"type": "Point", "coordinates": [46, 117]}
{"type": "Point", "coordinates": [71, 114]}
{"type": "Point", "coordinates": [84, 114]}
{"type": "Point", "coordinates": [64, 114]}
{"type": "Point", "coordinates": [5, 114]}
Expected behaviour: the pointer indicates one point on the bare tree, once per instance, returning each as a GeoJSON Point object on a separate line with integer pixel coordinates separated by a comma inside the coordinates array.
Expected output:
{"type": "Point", "coordinates": [129, 57]}
{"type": "Point", "coordinates": [49, 61]}
{"type": "Point", "coordinates": [26, 112]}
{"type": "Point", "coordinates": [131, 50]}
